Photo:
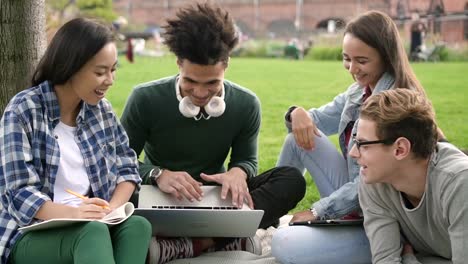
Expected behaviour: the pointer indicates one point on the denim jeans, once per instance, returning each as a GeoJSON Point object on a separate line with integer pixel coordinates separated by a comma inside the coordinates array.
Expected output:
{"type": "Point", "coordinates": [334, 244]}
{"type": "Point", "coordinates": [330, 245]}
{"type": "Point", "coordinates": [325, 163]}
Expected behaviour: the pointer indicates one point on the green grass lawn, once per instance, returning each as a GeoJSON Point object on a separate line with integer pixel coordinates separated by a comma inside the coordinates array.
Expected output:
{"type": "Point", "coordinates": [282, 83]}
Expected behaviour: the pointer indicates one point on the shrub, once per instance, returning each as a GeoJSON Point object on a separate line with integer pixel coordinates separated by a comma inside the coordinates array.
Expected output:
{"type": "Point", "coordinates": [325, 53]}
{"type": "Point", "coordinates": [454, 54]}
{"type": "Point", "coordinates": [259, 49]}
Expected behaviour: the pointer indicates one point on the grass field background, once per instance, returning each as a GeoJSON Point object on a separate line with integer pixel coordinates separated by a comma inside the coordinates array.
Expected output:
{"type": "Point", "coordinates": [281, 83]}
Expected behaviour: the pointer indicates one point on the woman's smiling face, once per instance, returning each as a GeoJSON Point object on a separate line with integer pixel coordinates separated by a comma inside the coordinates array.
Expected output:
{"type": "Point", "coordinates": [363, 62]}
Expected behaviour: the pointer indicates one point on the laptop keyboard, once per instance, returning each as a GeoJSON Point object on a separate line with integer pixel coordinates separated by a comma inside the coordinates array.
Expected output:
{"type": "Point", "coordinates": [195, 207]}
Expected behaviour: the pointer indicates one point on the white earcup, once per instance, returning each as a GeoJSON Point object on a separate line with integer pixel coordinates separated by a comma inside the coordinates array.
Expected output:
{"type": "Point", "coordinates": [187, 108]}
{"type": "Point", "coordinates": [215, 106]}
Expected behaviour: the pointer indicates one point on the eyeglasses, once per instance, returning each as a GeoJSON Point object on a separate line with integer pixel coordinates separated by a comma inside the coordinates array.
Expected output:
{"type": "Point", "coordinates": [362, 143]}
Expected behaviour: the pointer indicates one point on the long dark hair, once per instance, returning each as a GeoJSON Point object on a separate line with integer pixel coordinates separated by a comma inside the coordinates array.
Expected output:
{"type": "Point", "coordinates": [378, 30]}
{"type": "Point", "coordinates": [76, 42]}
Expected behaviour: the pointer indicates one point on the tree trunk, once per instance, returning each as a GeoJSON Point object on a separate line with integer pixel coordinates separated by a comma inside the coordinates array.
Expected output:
{"type": "Point", "coordinates": [22, 43]}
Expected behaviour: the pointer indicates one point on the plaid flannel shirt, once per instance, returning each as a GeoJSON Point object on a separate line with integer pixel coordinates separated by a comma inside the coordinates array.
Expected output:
{"type": "Point", "coordinates": [30, 156]}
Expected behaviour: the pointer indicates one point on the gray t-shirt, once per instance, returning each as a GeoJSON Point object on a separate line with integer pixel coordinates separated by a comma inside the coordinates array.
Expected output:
{"type": "Point", "coordinates": [438, 226]}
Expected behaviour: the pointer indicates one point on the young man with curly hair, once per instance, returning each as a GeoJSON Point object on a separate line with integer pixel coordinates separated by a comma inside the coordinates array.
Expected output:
{"type": "Point", "coordinates": [189, 123]}
{"type": "Point", "coordinates": [413, 189]}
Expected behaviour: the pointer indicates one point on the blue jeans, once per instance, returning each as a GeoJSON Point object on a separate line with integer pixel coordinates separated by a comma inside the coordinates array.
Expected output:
{"type": "Point", "coordinates": [334, 244]}
{"type": "Point", "coordinates": [331, 244]}
{"type": "Point", "coordinates": [325, 163]}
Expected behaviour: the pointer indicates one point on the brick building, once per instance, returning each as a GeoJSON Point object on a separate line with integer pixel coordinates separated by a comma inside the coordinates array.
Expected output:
{"type": "Point", "coordinates": [446, 18]}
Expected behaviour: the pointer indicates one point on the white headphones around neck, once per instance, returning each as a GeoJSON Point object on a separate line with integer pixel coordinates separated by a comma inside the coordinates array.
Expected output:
{"type": "Point", "coordinates": [215, 106]}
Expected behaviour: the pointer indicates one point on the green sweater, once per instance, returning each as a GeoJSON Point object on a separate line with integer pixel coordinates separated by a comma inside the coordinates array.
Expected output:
{"type": "Point", "coordinates": [171, 141]}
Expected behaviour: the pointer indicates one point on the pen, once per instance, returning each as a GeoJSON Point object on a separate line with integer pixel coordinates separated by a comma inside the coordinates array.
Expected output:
{"type": "Point", "coordinates": [83, 197]}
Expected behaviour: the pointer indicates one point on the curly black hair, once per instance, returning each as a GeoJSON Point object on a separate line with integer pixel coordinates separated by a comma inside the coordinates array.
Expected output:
{"type": "Point", "coordinates": [203, 33]}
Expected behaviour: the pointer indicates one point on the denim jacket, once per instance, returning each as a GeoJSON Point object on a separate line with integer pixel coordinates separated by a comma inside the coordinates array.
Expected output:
{"type": "Point", "coordinates": [332, 118]}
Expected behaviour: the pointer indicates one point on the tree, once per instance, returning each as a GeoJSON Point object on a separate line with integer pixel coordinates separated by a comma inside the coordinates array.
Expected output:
{"type": "Point", "coordinates": [22, 43]}
{"type": "Point", "coordinates": [97, 8]}
{"type": "Point", "coordinates": [59, 11]}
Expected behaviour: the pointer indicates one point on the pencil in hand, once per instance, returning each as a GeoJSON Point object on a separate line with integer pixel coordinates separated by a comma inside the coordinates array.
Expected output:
{"type": "Point", "coordinates": [83, 197]}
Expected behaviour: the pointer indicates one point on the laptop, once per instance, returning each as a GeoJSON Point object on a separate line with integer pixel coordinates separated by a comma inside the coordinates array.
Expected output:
{"type": "Point", "coordinates": [211, 217]}
{"type": "Point", "coordinates": [332, 222]}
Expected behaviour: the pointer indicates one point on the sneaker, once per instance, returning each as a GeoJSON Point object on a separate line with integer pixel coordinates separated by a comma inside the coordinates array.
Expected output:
{"type": "Point", "coordinates": [249, 244]}
{"type": "Point", "coordinates": [163, 250]}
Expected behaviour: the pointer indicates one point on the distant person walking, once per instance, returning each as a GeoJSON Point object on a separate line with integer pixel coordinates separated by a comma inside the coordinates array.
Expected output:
{"type": "Point", "coordinates": [129, 53]}
{"type": "Point", "coordinates": [418, 29]}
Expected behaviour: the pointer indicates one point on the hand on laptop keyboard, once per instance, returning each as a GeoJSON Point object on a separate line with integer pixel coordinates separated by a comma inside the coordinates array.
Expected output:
{"type": "Point", "coordinates": [180, 184]}
{"type": "Point", "coordinates": [234, 182]}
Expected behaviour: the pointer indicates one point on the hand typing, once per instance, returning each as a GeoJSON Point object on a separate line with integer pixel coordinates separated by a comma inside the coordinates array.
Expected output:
{"type": "Point", "coordinates": [180, 184]}
{"type": "Point", "coordinates": [233, 181]}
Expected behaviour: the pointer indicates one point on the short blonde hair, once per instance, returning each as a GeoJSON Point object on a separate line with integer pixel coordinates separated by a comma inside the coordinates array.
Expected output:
{"type": "Point", "coordinates": [403, 113]}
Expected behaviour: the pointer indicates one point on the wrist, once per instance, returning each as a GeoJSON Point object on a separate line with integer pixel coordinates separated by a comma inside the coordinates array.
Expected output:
{"type": "Point", "coordinates": [240, 171]}
{"type": "Point", "coordinates": [315, 213]}
{"type": "Point", "coordinates": [155, 174]}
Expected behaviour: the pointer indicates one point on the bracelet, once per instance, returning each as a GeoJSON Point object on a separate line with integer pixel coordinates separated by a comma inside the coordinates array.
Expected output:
{"type": "Point", "coordinates": [314, 212]}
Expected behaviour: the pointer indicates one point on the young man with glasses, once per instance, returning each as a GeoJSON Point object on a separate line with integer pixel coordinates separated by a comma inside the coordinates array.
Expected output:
{"type": "Point", "coordinates": [413, 190]}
